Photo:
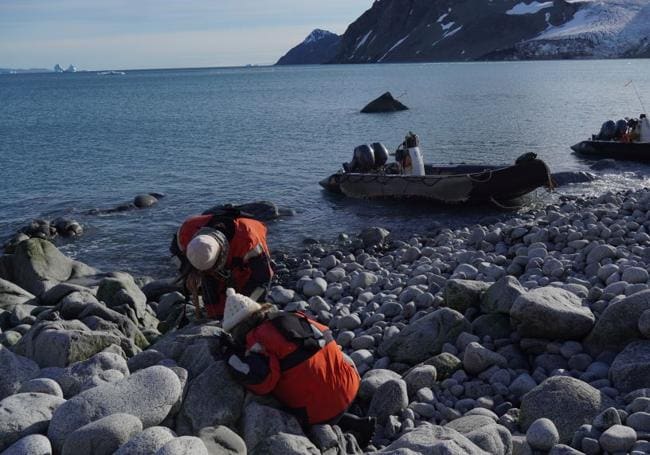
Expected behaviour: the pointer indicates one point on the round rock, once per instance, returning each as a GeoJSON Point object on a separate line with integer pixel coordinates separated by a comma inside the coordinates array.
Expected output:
{"type": "Point", "coordinates": [618, 438]}
{"type": "Point", "coordinates": [542, 435]}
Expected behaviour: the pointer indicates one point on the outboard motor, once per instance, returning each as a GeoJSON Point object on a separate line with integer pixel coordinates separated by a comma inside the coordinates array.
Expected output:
{"type": "Point", "coordinates": [381, 154]}
{"type": "Point", "coordinates": [363, 159]}
{"type": "Point", "coordinates": [607, 131]}
{"type": "Point", "coordinates": [621, 129]}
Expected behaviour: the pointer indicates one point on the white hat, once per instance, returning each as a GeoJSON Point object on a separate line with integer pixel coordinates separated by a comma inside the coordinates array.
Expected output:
{"type": "Point", "coordinates": [238, 308]}
{"type": "Point", "coordinates": [203, 251]}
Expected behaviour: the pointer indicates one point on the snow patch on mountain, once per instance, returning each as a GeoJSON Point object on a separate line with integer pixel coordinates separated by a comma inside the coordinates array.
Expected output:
{"type": "Point", "coordinates": [395, 46]}
{"type": "Point", "coordinates": [317, 35]}
{"type": "Point", "coordinates": [363, 41]}
{"type": "Point", "coordinates": [531, 8]}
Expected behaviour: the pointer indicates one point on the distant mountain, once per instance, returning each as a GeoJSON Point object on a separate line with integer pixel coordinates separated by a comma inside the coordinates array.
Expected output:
{"type": "Point", "coordinates": [461, 30]}
{"type": "Point", "coordinates": [320, 46]}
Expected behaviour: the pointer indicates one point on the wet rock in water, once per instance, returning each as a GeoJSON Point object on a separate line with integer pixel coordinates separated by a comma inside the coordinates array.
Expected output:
{"type": "Point", "coordinates": [24, 414]}
{"type": "Point", "coordinates": [103, 436]}
{"type": "Point", "coordinates": [148, 395]}
{"type": "Point", "coordinates": [385, 103]}
{"type": "Point", "coordinates": [606, 164]}
{"type": "Point", "coordinates": [551, 313]}
{"type": "Point", "coordinates": [66, 227]}
{"type": "Point", "coordinates": [222, 440]}
{"type": "Point", "coordinates": [15, 370]}
{"type": "Point", "coordinates": [425, 337]}
{"type": "Point", "coordinates": [428, 439]}
{"type": "Point", "coordinates": [34, 444]}
{"type": "Point", "coordinates": [142, 201]}
{"type": "Point", "coordinates": [373, 236]}
{"type": "Point", "coordinates": [569, 177]}
{"type": "Point", "coordinates": [581, 403]}
{"type": "Point", "coordinates": [146, 442]}
{"type": "Point", "coordinates": [631, 368]}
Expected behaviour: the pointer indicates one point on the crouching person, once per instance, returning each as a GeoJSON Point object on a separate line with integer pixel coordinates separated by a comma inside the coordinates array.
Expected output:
{"type": "Point", "coordinates": [295, 359]}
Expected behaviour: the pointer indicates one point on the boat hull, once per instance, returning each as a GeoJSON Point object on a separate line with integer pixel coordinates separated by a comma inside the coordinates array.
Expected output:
{"type": "Point", "coordinates": [634, 151]}
{"type": "Point", "coordinates": [446, 184]}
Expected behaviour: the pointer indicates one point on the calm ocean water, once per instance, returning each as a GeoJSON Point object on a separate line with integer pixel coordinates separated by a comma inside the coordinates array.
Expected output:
{"type": "Point", "coordinates": [73, 142]}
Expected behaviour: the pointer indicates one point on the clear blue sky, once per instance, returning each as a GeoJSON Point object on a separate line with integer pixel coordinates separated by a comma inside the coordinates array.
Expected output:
{"type": "Point", "coordinates": [117, 34]}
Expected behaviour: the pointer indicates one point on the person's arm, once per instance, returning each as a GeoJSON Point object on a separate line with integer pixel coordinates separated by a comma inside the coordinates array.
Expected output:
{"type": "Point", "coordinates": [258, 371]}
{"type": "Point", "coordinates": [260, 277]}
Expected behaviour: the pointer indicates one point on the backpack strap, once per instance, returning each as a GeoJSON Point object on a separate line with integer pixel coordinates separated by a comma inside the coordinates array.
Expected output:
{"type": "Point", "coordinates": [296, 328]}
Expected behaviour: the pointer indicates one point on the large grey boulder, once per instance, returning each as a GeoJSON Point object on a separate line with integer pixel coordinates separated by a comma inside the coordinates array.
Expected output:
{"type": "Point", "coordinates": [372, 380]}
{"type": "Point", "coordinates": [148, 394]}
{"type": "Point", "coordinates": [618, 325]}
{"type": "Point", "coordinates": [120, 290]}
{"type": "Point", "coordinates": [580, 404]}
{"type": "Point", "coordinates": [146, 442]}
{"type": "Point", "coordinates": [37, 265]}
{"type": "Point", "coordinates": [14, 370]}
{"type": "Point", "coordinates": [213, 398]}
{"type": "Point", "coordinates": [500, 297]}
{"type": "Point", "coordinates": [286, 444]}
{"type": "Point", "coordinates": [221, 440]}
{"type": "Point", "coordinates": [373, 236]}
{"type": "Point", "coordinates": [494, 439]}
{"type": "Point", "coordinates": [430, 439]}
{"type": "Point", "coordinates": [42, 385]}
{"type": "Point", "coordinates": [260, 422]}
{"type": "Point", "coordinates": [125, 325]}
{"type": "Point", "coordinates": [461, 295]}
{"type": "Point", "coordinates": [61, 343]}
{"type": "Point", "coordinates": [425, 337]}
{"type": "Point", "coordinates": [551, 313]}
{"type": "Point", "coordinates": [331, 440]}
{"type": "Point", "coordinates": [185, 445]}
{"type": "Point", "coordinates": [12, 295]}
{"type": "Point", "coordinates": [103, 436]}
{"type": "Point", "coordinates": [103, 367]}
{"type": "Point", "coordinates": [34, 444]}
{"type": "Point", "coordinates": [631, 368]}
{"type": "Point", "coordinates": [24, 414]}
{"type": "Point", "coordinates": [391, 399]}
{"type": "Point", "coordinates": [477, 358]}
{"type": "Point", "coordinates": [385, 103]}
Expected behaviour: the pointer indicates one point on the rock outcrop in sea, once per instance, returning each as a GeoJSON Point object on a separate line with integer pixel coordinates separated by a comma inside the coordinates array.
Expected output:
{"type": "Point", "coordinates": [530, 335]}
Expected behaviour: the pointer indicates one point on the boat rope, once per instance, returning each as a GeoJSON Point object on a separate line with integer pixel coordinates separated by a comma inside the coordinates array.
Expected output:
{"type": "Point", "coordinates": [502, 206]}
{"type": "Point", "coordinates": [478, 180]}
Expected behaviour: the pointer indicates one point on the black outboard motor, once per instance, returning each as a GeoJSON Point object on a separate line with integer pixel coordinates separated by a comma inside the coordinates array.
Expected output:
{"type": "Point", "coordinates": [363, 159]}
{"type": "Point", "coordinates": [381, 154]}
{"type": "Point", "coordinates": [607, 131]}
{"type": "Point", "coordinates": [621, 129]}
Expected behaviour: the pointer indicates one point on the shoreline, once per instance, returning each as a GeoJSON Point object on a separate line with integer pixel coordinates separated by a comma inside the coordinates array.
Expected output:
{"type": "Point", "coordinates": [468, 335]}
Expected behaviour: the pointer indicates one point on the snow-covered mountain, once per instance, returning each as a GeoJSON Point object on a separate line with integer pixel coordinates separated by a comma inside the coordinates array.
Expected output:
{"type": "Point", "coordinates": [320, 46]}
{"type": "Point", "coordinates": [435, 30]}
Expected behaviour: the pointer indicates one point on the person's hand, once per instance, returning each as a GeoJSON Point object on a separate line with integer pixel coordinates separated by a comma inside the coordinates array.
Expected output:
{"type": "Point", "coordinates": [193, 282]}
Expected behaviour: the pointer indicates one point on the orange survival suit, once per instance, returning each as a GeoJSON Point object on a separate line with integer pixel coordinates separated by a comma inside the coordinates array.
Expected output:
{"type": "Point", "coordinates": [295, 359]}
{"type": "Point", "coordinates": [247, 268]}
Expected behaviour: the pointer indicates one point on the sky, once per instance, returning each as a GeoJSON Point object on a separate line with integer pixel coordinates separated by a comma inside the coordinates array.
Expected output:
{"type": "Point", "coordinates": [130, 34]}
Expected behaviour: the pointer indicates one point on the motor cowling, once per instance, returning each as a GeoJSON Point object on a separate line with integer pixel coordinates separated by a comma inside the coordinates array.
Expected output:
{"type": "Point", "coordinates": [363, 159]}
{"type": "Point", "coordinates": [381, 154]}
{"type": "Point", "coordinates": [607, 131]}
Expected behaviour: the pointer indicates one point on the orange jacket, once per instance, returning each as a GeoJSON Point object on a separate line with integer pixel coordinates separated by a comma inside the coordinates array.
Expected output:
{"type": "Point", "coordinates": [248, 242]}
{"type": "Point", "coordinates": [320, 387]}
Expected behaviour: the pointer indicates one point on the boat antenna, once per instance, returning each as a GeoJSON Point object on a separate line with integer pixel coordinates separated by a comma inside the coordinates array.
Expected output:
{"type": "Point", "coordinates": [631, 82]}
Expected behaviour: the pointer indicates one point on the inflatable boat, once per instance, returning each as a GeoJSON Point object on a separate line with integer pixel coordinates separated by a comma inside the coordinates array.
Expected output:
{"type": "Point", "coordinates": [626, 139]}
{"type": "Point", "coordinates": [452, 184]}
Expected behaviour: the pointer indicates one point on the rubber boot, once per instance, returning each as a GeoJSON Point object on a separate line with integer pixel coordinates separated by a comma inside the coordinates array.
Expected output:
{"type": "Point", "coordinates": [362, 428]}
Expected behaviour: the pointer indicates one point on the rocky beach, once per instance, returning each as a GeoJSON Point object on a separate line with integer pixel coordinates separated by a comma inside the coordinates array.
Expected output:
{"type": "Point", "coordinates": [524, 336]}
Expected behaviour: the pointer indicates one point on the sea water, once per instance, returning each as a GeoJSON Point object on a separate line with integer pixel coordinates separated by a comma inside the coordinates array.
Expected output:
{"type": "Point", "coordinates": [73, 142]}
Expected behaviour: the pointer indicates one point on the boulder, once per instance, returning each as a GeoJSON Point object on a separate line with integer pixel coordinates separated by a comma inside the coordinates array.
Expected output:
{"type": "Point", "coordinates": [330, 440]}
{"type": "Point", "coordinates": [631, 368]}
{"type": "Point", "coordinates": [146, 442]}
{"type": "Point", "coordinates": [61, 343]}
{"type": "Point", "coordinates": [12, 295]}
{"type": "Point", "coordinates": [24, 414]}
{"type": "Point", "coordinates": [581, 403]}
{"type": "Point", "coordinates": [469, 423]}
{"type": "Point", "coordinates": [461, 295]}
{"type": "Point", "coordinates": [478, 358]}
{"type": "Point", "coordinates": [148, 394]}
{"type": "Point", "coordinates": [34, 444]}
{"type": "Point", "coordinates": [286, 444]}
{"type": "Point", "coordinates": [15, 370]}
{"type": "Point", "coordinates": [493, 439]}
{"type": "Point", "coordinates": [37, 265]}
{"type": "Point", "coordinates": [419, 377]}
{"type": "Point", "coordinates": [213, 398]}
{"type": "Point", "coordinates": [445, 363]}
{"type": "Point", "coordinates": [373, 236]}
{"type": "Point", "coordinates": [260, 422]}
{"type": "Point", "coordinates": [142, 201]}
{"type": "Point", "coordinates": [385, 103]}
{"type": "Point", "coordinates": [551, 313]}
{"type": "Point", "coordinates": [618, 324]}
{"type": "Point", "coordinates": [495, 325]}
{"type": "Point", "coordinates": [103, 436]}
{"type": "Point", "coordinates": [374, 379]}
{"type": "Point", "coordinates": [120, 289]}
{"type": "Point", "coordinates": [185, 445]}
{"type": "Point", "coordinates": [221, 440]}
{"type": "Point", "coordinates": [500, 296]}
{"type": "Point", "coordinates": [618, 439]}
{"type": "Point", "coordinates": [542, 435]}
{"type": "Point", "coordinates": [430, 439]}
{"type": "Point", "coordinates": [425, 337]}
{"type": "Point", "coordinates": [42, 385]}
{"type": "Point", "coordinates": [100, 368]}
{"type": "Point", "coordinates": [390, 399]}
